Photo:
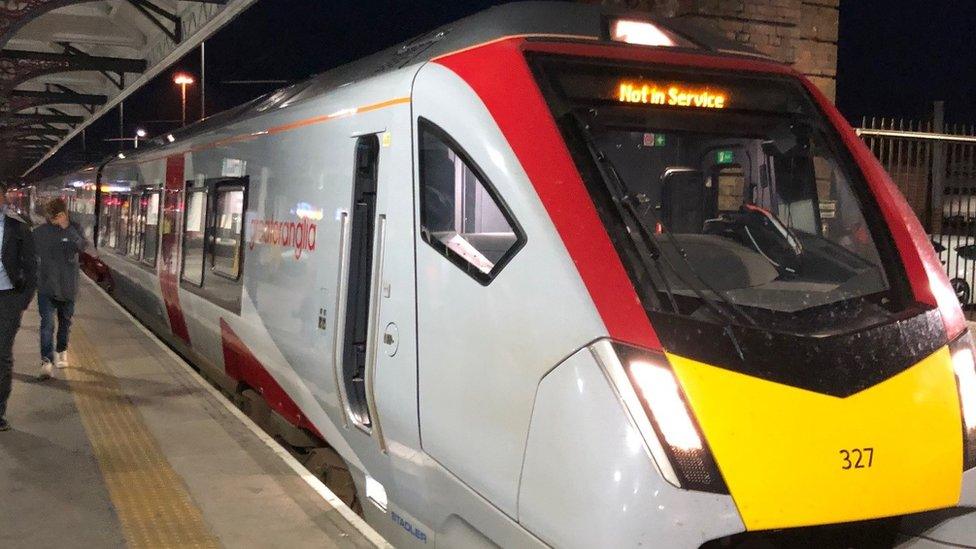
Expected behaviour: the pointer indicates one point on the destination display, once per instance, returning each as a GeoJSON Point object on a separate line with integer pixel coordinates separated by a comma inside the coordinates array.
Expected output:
{"type": "Point", "coordinates": [578, 82]}
{"type": "Point", "coordinates": [674, 95]}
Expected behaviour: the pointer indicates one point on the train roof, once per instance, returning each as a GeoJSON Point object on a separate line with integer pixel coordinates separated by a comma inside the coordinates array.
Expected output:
{"type": "Point", "coordinates": [549, 18]}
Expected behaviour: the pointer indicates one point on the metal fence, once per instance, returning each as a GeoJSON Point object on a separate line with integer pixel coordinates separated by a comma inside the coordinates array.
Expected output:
{"type": "Point", "coordinates": [934, 165]}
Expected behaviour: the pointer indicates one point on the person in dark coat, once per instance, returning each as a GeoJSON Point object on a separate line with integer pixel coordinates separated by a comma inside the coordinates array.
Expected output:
{"type": "Point", "coordinates": [18, 278]}
{"type": "Point", "coordinates": [58, 242]}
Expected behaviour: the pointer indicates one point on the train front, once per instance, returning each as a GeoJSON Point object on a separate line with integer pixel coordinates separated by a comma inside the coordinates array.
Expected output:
{"type": "Point", "coordinates": [803, 354]}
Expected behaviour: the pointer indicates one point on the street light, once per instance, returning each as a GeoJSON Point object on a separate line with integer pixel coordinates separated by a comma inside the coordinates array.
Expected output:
{"type": "Point", "coordinates": [140, 134]}
{"type": "Point", "coordinates": [183, 80]}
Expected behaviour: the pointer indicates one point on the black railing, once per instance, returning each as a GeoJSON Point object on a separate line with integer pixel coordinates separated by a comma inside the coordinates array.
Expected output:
{"type": "Point", "coordinates": [934, 166]}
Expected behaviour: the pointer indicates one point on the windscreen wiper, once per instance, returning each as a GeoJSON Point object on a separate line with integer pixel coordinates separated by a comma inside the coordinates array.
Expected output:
{"type": "Point", "coordinates": [626, 206]}
{"type": "Point", "coordinates": [782, 230]}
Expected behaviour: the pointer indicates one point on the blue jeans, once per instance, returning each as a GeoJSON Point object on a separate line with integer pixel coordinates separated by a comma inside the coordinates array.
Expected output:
{"type": "Point", "coordinates": [47, 306]}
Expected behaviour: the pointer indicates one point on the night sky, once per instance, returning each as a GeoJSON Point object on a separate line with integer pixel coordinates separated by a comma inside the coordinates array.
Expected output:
{"type": "Point", "coordinates": [896, 58]}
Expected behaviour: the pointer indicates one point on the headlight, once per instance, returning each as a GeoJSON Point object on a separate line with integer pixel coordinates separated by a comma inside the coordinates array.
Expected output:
{"type": "Point", "coordinates": [965, 367]}
{"type": "Point", "coordinates": [664, 404]}
{"type": "Point", "coordinates": [659, 389]}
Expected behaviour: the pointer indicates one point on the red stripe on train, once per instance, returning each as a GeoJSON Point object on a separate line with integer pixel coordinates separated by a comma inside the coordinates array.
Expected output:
{"type": "Point", "coordinates": [169, 266]}
{"type": "Point", "coordinates": [500, 76]}
{"type": "Point", "coordinates": [241, 365]}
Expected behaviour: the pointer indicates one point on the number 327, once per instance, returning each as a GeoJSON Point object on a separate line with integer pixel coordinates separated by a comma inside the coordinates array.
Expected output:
{"type": "Point", "coordinates": [858, 458]}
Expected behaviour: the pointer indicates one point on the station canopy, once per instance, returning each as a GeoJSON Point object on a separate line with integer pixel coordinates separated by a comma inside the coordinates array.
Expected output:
{"type": "Point", "coordinates": [65, 63]}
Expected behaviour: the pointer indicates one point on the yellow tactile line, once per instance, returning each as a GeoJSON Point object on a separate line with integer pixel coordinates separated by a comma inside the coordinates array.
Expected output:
{"type": "Point", "coordinates": [150, 500]}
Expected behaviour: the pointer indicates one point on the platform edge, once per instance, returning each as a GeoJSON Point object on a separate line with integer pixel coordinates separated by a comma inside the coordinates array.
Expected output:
{"type": "Point", "coordinates": [311, 480]}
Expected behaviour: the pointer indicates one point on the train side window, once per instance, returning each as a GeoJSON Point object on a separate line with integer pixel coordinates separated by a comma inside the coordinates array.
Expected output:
{"type": "Point", "coordinates": [113, 221]}
{"type": "Point", "coordinates": [150, 216]}
{"type": "Point", "coordinates": [213, 241]}
{"type": "Point", "coordinates": [194, 233]}
{"type": "Point", "coordinates": [228, 232]}
{"type": "Point", "coordinates": [117, 235]}
{"type": "Point", "coordinates": [118, 232]}
{"type": "Point", "coordinates": [136, 226]}
{"type": "Point", "coordinates": [121, 219]}
{"type": "Point", "coordinates": [105, 222]}
{"type": "Point", "coordinates": [461, 215]}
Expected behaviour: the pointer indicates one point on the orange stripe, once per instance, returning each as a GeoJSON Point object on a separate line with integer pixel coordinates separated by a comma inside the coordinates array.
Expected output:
{"type": "Point", "coordinates": [511, 36]}
{"type": "Point", "coordinates": [337, 115]}
{"type": "Point", "coordinates": [343, 113]}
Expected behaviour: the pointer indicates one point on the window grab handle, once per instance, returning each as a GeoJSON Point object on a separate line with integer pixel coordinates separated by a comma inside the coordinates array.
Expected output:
{"type": "Point", "coordinates": [340, 311]}
{"type": "Point", "coordinates": [372, 331]}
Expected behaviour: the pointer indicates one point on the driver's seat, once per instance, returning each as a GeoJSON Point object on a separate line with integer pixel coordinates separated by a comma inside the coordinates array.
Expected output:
{"type": "Point", "coordinates": [683, 197]}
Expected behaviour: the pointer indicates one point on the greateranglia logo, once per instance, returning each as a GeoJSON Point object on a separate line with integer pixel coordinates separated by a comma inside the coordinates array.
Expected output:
{"type": "Point", "coordinates": [299, 235]}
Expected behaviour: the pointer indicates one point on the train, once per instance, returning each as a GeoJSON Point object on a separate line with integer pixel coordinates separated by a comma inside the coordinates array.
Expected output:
{"type": "Point", "coordinates": [558, 275]}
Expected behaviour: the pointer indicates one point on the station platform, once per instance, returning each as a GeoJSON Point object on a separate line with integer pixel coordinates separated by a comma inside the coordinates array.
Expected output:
{"type": "Point", "coordinates": [129, 447]}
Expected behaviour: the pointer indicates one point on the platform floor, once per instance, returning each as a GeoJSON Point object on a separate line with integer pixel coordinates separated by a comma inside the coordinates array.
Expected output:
{"type": "Point", "coordinates": [127, 447]}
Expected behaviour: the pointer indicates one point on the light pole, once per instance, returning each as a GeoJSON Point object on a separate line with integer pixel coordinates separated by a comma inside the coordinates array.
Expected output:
{"type": "Point", "coordinates": [140, 134]}
{"type": "Point", "coordinates": [183, 80]}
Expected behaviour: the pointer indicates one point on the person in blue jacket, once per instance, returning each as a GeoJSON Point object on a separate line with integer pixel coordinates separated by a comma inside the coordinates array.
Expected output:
{"type": "Point", "coordinates": [59, 243]}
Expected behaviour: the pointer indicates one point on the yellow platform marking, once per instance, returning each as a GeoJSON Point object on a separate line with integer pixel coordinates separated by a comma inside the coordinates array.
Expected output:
{"type": "Point", "coordinates": [780, 448]}
{"type": "Point", "coordinates": [150, 500]}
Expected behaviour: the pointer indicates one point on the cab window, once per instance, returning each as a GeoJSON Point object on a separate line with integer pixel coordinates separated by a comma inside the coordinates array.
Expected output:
{"type": "Point", "coordinates": [461, 216]}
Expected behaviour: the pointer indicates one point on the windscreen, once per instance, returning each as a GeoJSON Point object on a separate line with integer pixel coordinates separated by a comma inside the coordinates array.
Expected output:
{"type": "Point", "coordinates": [727, 195]}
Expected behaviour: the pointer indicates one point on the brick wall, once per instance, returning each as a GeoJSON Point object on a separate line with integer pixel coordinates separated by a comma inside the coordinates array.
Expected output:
{"type": "Point", "coordinates": [802, 33]}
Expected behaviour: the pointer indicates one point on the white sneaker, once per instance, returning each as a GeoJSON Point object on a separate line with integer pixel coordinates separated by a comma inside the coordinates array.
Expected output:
{"type": "Point", "coordinates": [61, 359]}
{"type": "Point", "coordinates": [47, 370]}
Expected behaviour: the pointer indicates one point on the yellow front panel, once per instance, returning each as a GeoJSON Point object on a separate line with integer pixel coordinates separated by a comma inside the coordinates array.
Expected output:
{"type": "Point", "coordinates": [782, 449]}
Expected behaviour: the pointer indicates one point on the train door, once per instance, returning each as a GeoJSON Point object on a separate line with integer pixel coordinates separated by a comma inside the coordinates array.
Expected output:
{"type": "Point", "coordinates": [377, 354]}
{"type": "Point", "coordinates": [360, 301]}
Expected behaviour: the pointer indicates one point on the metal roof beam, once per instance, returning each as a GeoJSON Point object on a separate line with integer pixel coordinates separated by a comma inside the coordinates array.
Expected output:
{"type": "Point", "coordinates": [100, 31]}
{"type": "Point", "coordinates": [157, 15]}
{"type": "Point", "coordinates": [199, 20]}
{"type": "Point", "coordinates": [17, 66]}
{"type": "Point", "coordinates": [14, 15]}
{"type": "Point", "coordinates": [79, 60]}
{"type": "Point", "coordinates": [25, 99]}
{"type": "Point", "coordinates": [29, 143]}
{"type": "Point", "coordinates": [24, 131]}
{"type": "Point", "coordinates": [40, 118]}
{"type": "Point", "coordinates": [67, 96]}
{"type": "Point", "coordinates": [74, 51]}
{"type": "Point", "coordinates": [22, 158]}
